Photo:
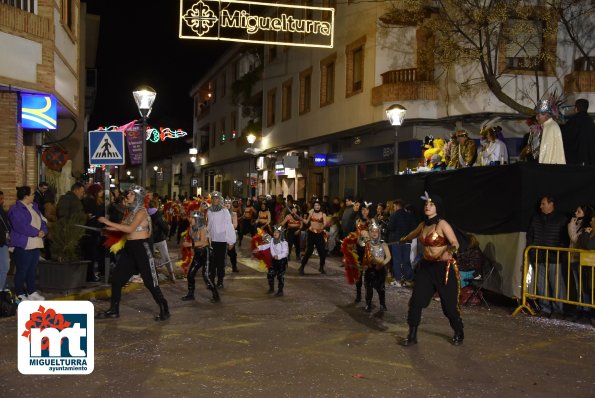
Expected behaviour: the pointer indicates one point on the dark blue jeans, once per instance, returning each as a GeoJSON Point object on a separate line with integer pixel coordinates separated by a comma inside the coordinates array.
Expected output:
{"type": "Point", "coordinates": [26, 267]}
{"type": "Point", "coordinates": [401, 254]}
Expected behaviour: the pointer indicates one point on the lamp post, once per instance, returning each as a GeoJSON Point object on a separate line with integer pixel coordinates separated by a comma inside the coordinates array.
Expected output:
{"type": "Point", "coordinates": [251, 138]}
{"type": "Point", "coordinates": [155, 168]}
{"type": "Point", "coordinates": [144, 96]}
{"type": "Point", "coordinates": [396, 115]}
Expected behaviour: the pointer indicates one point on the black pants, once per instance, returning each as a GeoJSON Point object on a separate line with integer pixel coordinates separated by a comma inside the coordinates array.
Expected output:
{"type": "Point", "coordinates": [233, 257]}
{"type": "Point", "coordinates": [136, 258]}
{"type": "Point", "coordinates": [244, 228]}
{"type": "Point", "coordinates": [429, 278]}
{"type": "Point", "coordinates": [359, 283]}
{"type": "Point", "coordinates": [315, 239]}
{"type": "Point", "coordinates": [219, 250]}
{"type": "Point", "coordinates": [278, 269]}
{"type": "Point", "coordinates": [293, 239]}
{"type": "Point", "coordinates": [202, 259]}
{"type": "Point", "coordinates": [375, 280]}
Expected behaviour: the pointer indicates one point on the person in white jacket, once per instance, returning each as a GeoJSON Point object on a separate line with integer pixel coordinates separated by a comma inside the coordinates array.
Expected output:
{"type": "Point", "coordinates": [279, 253]}
{"type": "Point", "coordinates": [221, 234]}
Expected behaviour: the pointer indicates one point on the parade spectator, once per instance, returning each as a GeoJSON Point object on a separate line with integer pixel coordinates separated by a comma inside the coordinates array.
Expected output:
{"type": "Point", "coordinates": [160, 233]}
{"type": "Point", "coordinates": [117, 209]}
{"type": "Point", "coordinates": [577, 225]}
{"type": "Point", "coordinates": [28, 230]}
{"type": "Point", "coordinates": [280, 209]}
{"type": "Point", "coordinates": [551, 148]}
{"type": "Point", "coordinates": [174, 216]}
{"type": "Point", "coordinates": [40, 196]}
{"type": "Point", "coordinates": [348, 218]}
{"type": "Point", "coordinates": [579, 135]}
{"type": "Point", "coordinates": [332, 245]}
{"type": "Point", "coordinates": [4, 242]}
{"type": "Point", "coordinates": [586, 241]}
{"type": "Point", "coordinates": [548, 228]}
{"type": "Point", "coordinates": [183, 223]}
{"type": "Point", "coordinates": [70, 203]}
{"type": "Point", "coordinates": [400, 223]}
{"type": "Point", "coordinates": [93, 250]}
{"type": "Point", "coordinates": [464, 153]}
{"type": "Point", "coordinates": [51, 217]}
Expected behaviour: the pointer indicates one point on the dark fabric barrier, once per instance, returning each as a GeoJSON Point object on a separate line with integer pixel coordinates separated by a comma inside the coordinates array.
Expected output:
{"type": "Point", "coordinates": [491, 200]}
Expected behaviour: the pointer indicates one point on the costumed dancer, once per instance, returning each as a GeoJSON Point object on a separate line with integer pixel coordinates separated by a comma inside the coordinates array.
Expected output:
{"type": "Point", "coordinates": [376, 256]}
{"type": "Point", "coordinates": [199, 242]}
{"type": "Point", "coordinates": [246, 222]}
{"type": "Point", "coordinates": [437, 271]}
{"type": "Point", "coordinates": [351, 259]}
{"type": "Point", "coordinates": [279, 253]}
{"type": "Point", "coordinates": [294, 226]}
{"type": "Point", "coordinates": [221, 233]}
{"type": "Point", "coordinates": [264, 218]}
{"type": "Point", "coordinates": [232, 253]}
{"type": "Point", "coordinates": [317, 220]}
{"type": "Point", "coordinates": [261, 249]}
{"type": "Point", "coordinates": [361, 229]}
{"type": "Point", "coordinates": [136, 256]}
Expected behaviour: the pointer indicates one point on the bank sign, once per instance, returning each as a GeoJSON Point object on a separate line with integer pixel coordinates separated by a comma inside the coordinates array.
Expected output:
{"type": "Point", "coordinates": [253, 22]}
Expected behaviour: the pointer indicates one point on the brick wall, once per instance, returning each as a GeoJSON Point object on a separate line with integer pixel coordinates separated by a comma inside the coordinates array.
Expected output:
{"type": "Point", "coordinates": [11, 151]}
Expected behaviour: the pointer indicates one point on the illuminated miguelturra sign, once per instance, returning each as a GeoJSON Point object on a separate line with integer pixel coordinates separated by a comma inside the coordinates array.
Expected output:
{"type": "Point", "coordinates": [254, 22]}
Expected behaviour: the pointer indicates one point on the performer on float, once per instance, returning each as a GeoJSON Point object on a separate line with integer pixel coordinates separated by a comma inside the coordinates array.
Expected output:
{"type": "Point", "coordinates": [232, 253]}
{"type": "Point", "coordinates": [376, 256]}
{"type": "Point", "coordinates": [294, 226]}
{"type": "Point", "coordinates": [551, 148]}
{"type": "Point", "coordinates": [279, 253]}
{"type": "Point", "coordinates": [136, 256]}
{"type": "Point", "coordinates": [317, 220]}
{"type": "Point", "coordinates": [436, 272]}
{"type": "Point", "coordinates": [199, 242]}
{"type": "Point", "coordinates": [361, 228]}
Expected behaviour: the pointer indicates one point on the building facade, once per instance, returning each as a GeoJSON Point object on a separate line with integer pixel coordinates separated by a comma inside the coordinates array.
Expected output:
{"type": "Point", "coordinates": [318, 114]}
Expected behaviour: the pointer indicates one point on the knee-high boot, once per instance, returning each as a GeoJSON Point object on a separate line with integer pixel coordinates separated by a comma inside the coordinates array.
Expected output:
{"type": "Point", "coordinates": [382, 299]}
{"type": "Point", "coordinates": [162, 303]}
{"type": "Point", "coordinates": [369, 295]}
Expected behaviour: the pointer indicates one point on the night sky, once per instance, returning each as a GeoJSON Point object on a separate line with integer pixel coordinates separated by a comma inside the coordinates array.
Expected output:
{"type": "Point", "coordinates": [139, 45]}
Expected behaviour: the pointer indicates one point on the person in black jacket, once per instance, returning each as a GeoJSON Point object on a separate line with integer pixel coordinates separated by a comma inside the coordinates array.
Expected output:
{"type": "Point", "coordinates": [160, 233]}
{"type": "Point", "coordinates": [579, 136]}
{"type": "Point", "coordinates": [548, 228]}
{"type": "Point", "coordinates": [399, 225]}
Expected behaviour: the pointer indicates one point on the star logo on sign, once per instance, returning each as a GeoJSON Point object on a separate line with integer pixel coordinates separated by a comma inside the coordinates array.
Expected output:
{"type": "Point", "coordinates": [200, 18]}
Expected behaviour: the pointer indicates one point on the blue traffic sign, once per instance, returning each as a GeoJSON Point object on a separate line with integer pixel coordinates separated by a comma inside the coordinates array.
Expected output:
{"type": "Point", "coordinates": [106, 148]}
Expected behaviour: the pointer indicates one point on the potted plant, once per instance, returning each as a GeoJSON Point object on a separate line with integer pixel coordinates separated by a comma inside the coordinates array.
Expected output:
{"type": "Point", "coordinates": [67, 269]}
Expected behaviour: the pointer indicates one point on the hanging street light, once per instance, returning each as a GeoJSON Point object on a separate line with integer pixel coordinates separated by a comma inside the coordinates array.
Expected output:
{"type": "Point", "coordinates": [144, 96]}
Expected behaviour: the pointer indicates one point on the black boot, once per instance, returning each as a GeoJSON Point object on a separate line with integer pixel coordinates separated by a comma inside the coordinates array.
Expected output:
{"type": "Point", "coordinates": [271, 286]}
{"type": "Point", "coordinates": [411, 337]}
{"type": "Point", "coordinates": [189, 296]}
{"type": "Point", "coordinates": [215, 298]}
{"type": "Point", "coordinates": [279, 293]}
{"type": "Point", "coordinates": [301, 270]}
{"type": "Point", "coordinates": [382, 299]}
{"type": "Point", "coordinates": [113, 312]}
{"type": "Point", "coordinates": [321, 270]}
{"type": "Point", "coordinates": [358, 294]}
{"type": "Point", "coordinates": [163, 311]}
{"type": "Point", "coordinates": [457, 339]}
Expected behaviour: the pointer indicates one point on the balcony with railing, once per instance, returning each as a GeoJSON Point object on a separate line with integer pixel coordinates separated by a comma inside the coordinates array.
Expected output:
{"type": "Point", "coordinates": [582, 79]}
{"type": "Point", "coordinates": [405, 84]}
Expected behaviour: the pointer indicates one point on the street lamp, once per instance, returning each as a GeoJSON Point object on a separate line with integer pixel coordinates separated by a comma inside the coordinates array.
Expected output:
{"type": "Point", "coordinates": [251, 138]}
{"type": "Point", "coordinates": [396, 115]}
{"type": "Point", "coordinates": [144, 96]}
{"type": "Point", "coordinates": [155, 168]}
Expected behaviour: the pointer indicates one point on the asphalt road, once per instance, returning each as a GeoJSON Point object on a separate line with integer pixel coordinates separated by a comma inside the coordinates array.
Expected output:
{"type": "Point", "coordinates": [313, 342]}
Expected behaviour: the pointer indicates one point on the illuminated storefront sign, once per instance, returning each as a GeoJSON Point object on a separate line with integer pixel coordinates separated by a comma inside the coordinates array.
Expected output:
{"type": "Point", "coordinates": [39, 111]}
{"type": "Point", "coordinates": [254, 22]}
{"type": "Point", "coordinates": [320, 159]}
{"type": "Point", "coordinates": [279, 168]}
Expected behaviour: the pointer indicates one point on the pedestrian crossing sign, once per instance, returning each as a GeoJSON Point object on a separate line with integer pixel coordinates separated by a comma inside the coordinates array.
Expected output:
{"type": "Point", "coordinates": [106, 148]}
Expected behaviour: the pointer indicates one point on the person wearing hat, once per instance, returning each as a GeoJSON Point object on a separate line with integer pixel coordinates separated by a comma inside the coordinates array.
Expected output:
{"type": "Point", "coordinates": [136, 256]}
{"type": "Point", "coordinates": [202, 255]}
{"type": "Point", "coordinates": [551, 148]}
{"type": "Point", "coordinates": [437, 271]}
{"type": "Point", "coordinates": [279, 253]}
{"type": "Point", "coordinates": [294, 224]}
{"type": "Point", "coordinates": [221, 233]}
{"type": "Point", "coordinates": [317, 220]}
{"type": "Point", "coordinates": [376, 257]}
{"type": "Point", "coordinates": [464, 153]}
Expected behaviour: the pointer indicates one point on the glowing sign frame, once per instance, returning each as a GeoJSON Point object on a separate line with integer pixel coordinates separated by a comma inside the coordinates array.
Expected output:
{"type": "Point", "coordinates": [198, 18]}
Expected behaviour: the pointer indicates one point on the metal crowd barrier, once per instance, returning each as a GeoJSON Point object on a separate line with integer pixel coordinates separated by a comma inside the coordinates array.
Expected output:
{"type": "Point", "coordinates": [557, 264]}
